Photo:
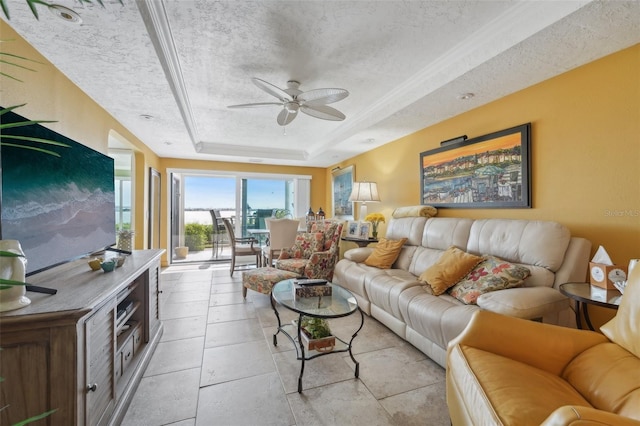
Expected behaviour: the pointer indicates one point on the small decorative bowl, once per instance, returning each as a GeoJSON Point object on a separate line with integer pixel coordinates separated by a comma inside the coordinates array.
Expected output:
{"type": "Point", "coordinates": [120, 261]}
{"type": "Point", "coordinates": [108, 265]}
{"type": "Point", "coordinates": [94, 264]}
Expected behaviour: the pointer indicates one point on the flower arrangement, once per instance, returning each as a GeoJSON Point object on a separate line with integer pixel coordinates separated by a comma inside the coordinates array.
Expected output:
{"type": "Point", "coordinates": [375, 219]}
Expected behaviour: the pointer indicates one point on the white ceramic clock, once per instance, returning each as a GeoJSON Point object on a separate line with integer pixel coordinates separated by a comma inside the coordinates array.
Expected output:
{"type": "Point", "coordinates": [617, 274]}
{"type": "Point", "coordinates": [597, 273]}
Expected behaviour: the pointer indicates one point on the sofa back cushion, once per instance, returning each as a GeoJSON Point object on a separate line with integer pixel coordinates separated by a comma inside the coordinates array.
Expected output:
{"type": "Point", "coordinates": [528, 242]}
{"type": "Point", "coordinates": [407, 227]}
{"type": "Point", "coordinates": [444, 232]}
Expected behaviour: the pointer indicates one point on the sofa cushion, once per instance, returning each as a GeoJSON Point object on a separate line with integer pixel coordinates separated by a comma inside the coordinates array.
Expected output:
{"type": "Point", "coordinates": [385, 253]}
{"type": "Point", "coordinates": [526, 303]}
{"type": "Point", "coordinates": [540, 243]}
{"type": "Point", "coordinates": [452, 266]}
{"type": "Point", "coordinates": [489, 275]}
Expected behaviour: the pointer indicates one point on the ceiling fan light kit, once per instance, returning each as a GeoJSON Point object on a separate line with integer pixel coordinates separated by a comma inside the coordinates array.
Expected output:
{"type": "Point", "coordinates": [292, 99]}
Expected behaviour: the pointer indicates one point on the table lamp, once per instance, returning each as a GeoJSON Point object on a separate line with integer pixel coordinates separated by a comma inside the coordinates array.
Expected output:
{"type": "Point", "coordinates": [364, 192]}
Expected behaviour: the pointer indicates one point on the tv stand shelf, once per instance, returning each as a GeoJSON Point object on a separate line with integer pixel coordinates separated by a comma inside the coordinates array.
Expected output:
{"type": "Point", "coordinates": [72, 351]}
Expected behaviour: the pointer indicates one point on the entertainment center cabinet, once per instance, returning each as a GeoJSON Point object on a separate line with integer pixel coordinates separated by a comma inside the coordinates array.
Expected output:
{"type": "Point", "coordinates": [84, 350]}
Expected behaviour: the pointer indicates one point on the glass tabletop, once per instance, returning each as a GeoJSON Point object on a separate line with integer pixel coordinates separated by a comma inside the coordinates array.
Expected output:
{"type": "Point", "coordinates": [339, 304]}
{"type": "Point", "coordinates": [587, 293]}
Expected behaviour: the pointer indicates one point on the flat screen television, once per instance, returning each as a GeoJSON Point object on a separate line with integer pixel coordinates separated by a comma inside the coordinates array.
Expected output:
{"type": "Point", "coordinates": [59, 208]}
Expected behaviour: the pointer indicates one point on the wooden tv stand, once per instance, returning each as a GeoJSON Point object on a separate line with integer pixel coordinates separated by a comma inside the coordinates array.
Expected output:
{"type": "Point", "coordinates": [83, 350]}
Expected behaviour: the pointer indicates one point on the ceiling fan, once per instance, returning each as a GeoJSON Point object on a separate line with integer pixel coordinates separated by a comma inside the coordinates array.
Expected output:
{"type": "Point", "coordinates": [292, 100]}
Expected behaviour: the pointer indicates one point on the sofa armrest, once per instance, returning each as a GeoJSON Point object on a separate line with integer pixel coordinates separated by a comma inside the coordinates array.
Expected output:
{"type": "Point", "coordinates": [544, 346]}
{"type": "Point", "coordinates": [358, 255]}
{"type": "Point", "coordinates": [578, 415]}
{"type": "Point", "coordinates": [526, 302]}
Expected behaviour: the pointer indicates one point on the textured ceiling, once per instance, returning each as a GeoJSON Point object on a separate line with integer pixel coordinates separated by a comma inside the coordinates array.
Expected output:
{"type": "Point", "coordinates": [405, 64]}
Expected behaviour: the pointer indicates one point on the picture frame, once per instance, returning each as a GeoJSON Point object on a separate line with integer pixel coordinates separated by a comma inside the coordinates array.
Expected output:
{"type": "Point", "coordinates": [363, 230]}
{"type": "Point", "coordinates": [341, 186]}
{"type": "Point", "coordinates": [353, 229]}
{"type": "Point", "coordinates": [490, 171]}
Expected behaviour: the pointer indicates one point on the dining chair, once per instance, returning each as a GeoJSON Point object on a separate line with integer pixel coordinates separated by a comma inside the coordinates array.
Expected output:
{"type": "Point", "coordinates": [282, 234]}
{"type": "Point", "coordinates": [241, 246]}
{"type": "Point", "coordinates": [219, 230]}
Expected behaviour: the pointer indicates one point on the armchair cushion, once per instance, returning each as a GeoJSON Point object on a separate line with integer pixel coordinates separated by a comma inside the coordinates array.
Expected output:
{"type": "Point", "coordinates": [491, 274]}
{"type": "Point", "coordinates": [385, 253]}
{"type": "Point", "coordinates": [450, 268]}
{"type": "Point", "coordinates": [306, 244]}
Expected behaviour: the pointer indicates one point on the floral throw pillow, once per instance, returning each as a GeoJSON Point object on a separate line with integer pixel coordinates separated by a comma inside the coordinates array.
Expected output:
{"type": "Point", "coordinates": [307, 243]}
{"type": "Point", "coordinates": [489, 275]}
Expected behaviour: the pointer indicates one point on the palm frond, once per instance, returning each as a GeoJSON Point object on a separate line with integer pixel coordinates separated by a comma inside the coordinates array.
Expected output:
{"type": "Point", "coordinates": [32, 139]}
{"type": "Point", "coordinates": [34, 418]}
{"type": "Point", "coordinates": [32, 148]}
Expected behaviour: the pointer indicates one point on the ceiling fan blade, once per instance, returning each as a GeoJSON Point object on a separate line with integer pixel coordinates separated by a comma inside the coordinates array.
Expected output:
{"type": "Point", "coordinates": [256, 105]}
{"type": "Point", "coordinates": [322, 111]}
{"type": "Point", "coordinates": [272, 90]}
{"type": "Point", "coordinates": [322, 96]}
{"type": "Point", "coordinates": [285, 117]}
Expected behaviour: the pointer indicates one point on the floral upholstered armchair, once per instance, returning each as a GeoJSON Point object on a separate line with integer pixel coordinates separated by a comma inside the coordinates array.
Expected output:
{"type": "Point", "coordinates": [315, 253]}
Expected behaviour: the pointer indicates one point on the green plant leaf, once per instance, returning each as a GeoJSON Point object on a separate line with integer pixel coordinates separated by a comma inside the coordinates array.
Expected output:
{"type": "Point", "coordinates": [4, 253]}
{"type": "Point", "coordinates": [32, 148]}
{"type": "Point", "coordinates": [32, 139]}
{"type": "Point", "coordinates": [34, 418]}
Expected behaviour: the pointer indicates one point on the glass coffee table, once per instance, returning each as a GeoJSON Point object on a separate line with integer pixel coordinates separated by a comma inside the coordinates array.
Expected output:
{"type": "Point", "coordinates": [340, 303]}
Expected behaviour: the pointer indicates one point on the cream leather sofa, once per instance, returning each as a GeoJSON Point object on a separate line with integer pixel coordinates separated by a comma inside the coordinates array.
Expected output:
{"type": "Point", "coordinates": [506, 371]}
{"type": "Point", "coordinates": [396, 298]}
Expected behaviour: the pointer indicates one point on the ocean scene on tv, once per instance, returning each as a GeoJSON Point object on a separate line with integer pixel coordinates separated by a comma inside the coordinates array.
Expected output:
{"type": "Point", "coordinates": [59, 208]}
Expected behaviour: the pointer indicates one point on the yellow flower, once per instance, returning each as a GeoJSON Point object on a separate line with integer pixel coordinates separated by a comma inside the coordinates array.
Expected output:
{"type": "Point", "coordinates": [374, 218]}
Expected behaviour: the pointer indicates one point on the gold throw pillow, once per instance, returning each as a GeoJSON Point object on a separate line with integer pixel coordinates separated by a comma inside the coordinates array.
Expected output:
{"type": "Point", "coordinates": [453, 265]}
{"type": "Point", "coordinates": [385, 253]}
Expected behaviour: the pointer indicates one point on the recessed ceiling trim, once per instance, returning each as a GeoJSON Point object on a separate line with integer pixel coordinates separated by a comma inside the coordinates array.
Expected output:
{"type": "Point", "coordinates": [250, 151]}
{"type": "Point", "coordinates": [155, 19]}
{"type": "Point", "coordinates": [516, 24]}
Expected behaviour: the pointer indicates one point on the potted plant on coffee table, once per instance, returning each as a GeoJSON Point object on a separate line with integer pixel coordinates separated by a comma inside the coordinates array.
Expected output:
{"type": "Point", "coordinates": [316, 334]}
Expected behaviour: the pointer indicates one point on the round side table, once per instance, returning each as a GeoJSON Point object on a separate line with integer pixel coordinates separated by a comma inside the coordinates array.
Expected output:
{"type": "Point", "coordinates": [585, 294]}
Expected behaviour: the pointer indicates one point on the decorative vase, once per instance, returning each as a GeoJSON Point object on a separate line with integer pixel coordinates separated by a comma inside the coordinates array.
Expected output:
{"type": "Point", "coordinates": [375, 234]}
{"type": "Point", "coordinates": [14, 269]}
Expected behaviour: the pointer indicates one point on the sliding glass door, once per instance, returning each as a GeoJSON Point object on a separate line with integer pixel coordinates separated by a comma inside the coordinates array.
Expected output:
{"type": "Point", "coordinates": [199, 198]}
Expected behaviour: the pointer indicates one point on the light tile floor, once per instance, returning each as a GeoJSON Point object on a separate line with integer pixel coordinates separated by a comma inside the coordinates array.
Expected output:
{"type": "Point", "coordinates": [216, 365]}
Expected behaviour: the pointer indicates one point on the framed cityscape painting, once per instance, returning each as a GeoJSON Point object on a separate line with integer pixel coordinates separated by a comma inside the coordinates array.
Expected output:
{"type": "Point", "coordinates": [341, 186]}
{"type": "Point", "coordinates": [490, 171]}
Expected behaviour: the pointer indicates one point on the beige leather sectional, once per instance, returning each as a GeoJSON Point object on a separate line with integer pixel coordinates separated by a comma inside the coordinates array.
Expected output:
{"type": "Point", "coordinates": [396, 297]}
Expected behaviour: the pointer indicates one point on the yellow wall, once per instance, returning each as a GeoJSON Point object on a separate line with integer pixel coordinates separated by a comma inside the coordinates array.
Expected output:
{"type": "Point", "coordinates": [585, 153]}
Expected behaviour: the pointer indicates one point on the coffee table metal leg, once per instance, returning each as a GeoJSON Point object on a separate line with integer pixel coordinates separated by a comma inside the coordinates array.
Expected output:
{"type": "Point", "coordinates": [357, 372]}
{"type": "Point", "coordinates": [302, 353]}
{"type": "Point", "coordinates": [273, 305]}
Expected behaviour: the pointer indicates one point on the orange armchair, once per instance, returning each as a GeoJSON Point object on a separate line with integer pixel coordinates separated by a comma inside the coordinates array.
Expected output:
{"type": "Point", "coordinates": [509, 371]}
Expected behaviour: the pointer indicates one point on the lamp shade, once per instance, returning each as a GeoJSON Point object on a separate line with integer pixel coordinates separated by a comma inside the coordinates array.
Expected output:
{"type": "Point", "coordinates": [364, 192]}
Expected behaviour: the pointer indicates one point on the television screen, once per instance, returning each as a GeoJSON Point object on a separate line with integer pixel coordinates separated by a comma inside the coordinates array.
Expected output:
{"type": "Point", "coordinates": [58, 207]}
